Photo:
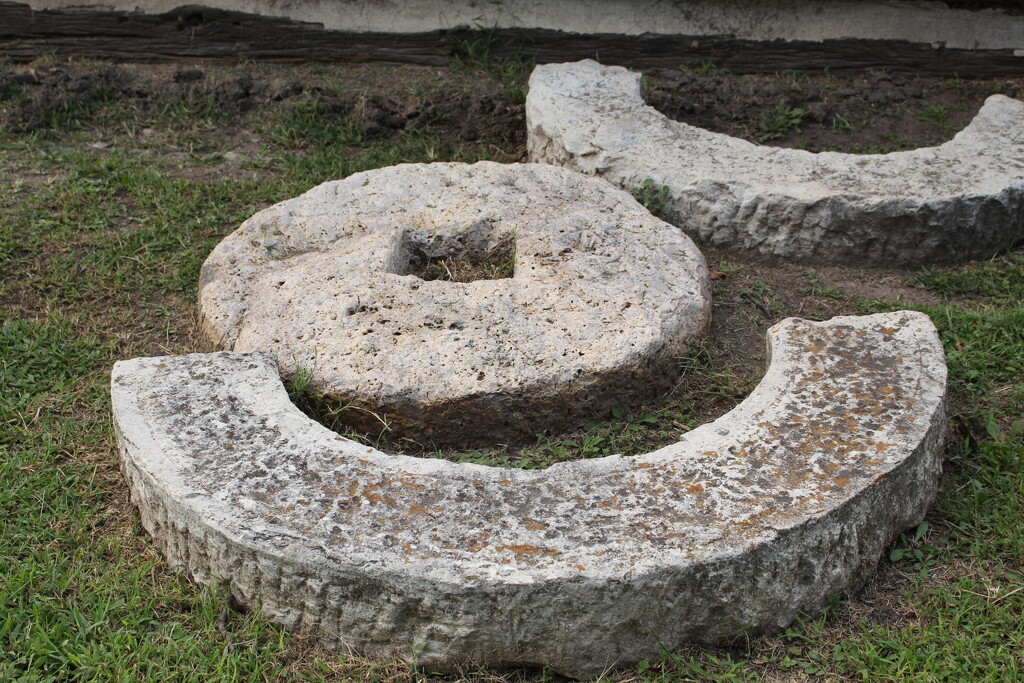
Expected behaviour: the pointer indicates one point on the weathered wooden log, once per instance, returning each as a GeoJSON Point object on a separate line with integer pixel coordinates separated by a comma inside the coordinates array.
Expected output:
{"type": "Point", "coordinates": [195, 32]}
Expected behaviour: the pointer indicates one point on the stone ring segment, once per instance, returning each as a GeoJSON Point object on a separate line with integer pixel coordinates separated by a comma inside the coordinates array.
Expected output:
{"type": "Point", "coordinates": [959, 201]}
{"type": "Point", "coordinates": [601, 301]}
{"type": "Point", "coordinates": [741, 526]}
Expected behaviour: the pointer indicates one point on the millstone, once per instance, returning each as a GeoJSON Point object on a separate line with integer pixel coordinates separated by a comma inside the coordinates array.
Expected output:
{"type": "Point", "coordinates": [345, 284]}
{"type": "Point", "coordinates": [959, 201]}
{"type": "Point", "coordinates": [739, 527]}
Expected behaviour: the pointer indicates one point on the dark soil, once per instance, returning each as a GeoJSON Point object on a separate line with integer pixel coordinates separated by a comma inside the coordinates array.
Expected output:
{"type": "Point", "coordinates": [864, 113]}
{"type": "Point", "coordinates": [383, 100]}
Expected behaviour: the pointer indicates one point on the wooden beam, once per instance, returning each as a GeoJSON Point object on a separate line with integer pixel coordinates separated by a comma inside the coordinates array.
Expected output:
{"type": "Point", "coordinates": [194, 32]}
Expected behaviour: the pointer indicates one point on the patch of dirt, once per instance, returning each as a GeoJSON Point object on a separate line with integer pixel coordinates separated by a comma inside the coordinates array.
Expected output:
{"type": "Point", "coordinates": [456, 107]}
{"type": "Point", "coordinates": [749, 296]}
{"type": "Point", "coordinates": [861, 113]}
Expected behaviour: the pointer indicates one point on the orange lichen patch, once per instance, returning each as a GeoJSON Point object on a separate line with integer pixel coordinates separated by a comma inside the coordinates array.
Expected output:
{"type": "Point", "coordinates": [370, 493]}
{"type": "Point", "coordinates": [841, 481]}
{"type": "Point", "coordinates": [580, 567]}
{"type": "Point", "coordinates": [536, 527]}
{"type": "Point", "coordinates": [412, 484]}
{"type": "Point", "coordinates": [695, 488]}
{"type": "Point", "coordinates": [417, 510]}
{"type": "Point", "coordinates": [526, 549]}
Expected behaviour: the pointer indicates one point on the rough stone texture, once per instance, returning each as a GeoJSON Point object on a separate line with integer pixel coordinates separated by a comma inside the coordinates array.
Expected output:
{"type": "Point", "coordinates": [749, 520]}
{"type": "Point", "coordinates": [603, 300]}
{"type": "Point", "coordinates": [959, 201]}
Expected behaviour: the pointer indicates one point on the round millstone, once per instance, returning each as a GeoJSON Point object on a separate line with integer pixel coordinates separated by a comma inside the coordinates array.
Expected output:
{"type": "Point", "coordinates": [587, 304]}
{"type": "Point", "coordinates": [739, 527]}
{"type": "Point", "coordinates": [959, 201]}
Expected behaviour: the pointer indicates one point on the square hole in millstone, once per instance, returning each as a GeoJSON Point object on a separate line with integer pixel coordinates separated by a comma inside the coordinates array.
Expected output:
{"type": "Point", "coordinates": [465, 256]}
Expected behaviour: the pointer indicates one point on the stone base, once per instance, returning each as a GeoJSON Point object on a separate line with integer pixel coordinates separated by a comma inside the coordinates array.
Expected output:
{"type": "Point", "coordinates": [742, 525]}
{"type": "Point", "coordinates": [578, 299]}
{"type": "Point", "coordinates": [949, 204]}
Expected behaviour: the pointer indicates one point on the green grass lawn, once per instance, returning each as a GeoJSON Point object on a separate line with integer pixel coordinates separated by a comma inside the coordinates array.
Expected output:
{"type": "Point", "coordinates": [100, 248]}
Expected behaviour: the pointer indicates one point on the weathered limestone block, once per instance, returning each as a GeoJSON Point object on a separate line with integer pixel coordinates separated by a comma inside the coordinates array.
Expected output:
{"type": "Point", "coordinates": [604, 297]}
{"type": "Point", "coordinates": [744, 523]}
{"type": "Point", "coordinates": [959, 201]}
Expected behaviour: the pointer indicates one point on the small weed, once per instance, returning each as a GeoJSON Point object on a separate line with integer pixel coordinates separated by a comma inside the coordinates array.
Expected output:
{"type": "Point", "coordinates": [779, 122]}
{"type": "Point", "coordinates": [935, 113]}
{"type": "Point", "coordinates": [841, 124]}
{"type": "Point", "coordinates": [894, 109]}
{"type": "Point", "coordinates": [756, 288]}
{"type": "Point", "coordinates": [473, 47]}
{"type": "Point", "coordinates": [955, 81]}
{"type": "Point", "coordinates": [473, 51]}
{"type": "Point", "coordinates": [651, 196]}
{"type": "Point", "coordinates": [797, 78]}
{"type": "Point", "coordinates": [511, 75]}
{"type": "Point", "coordinates": [298, 384]}
{"type": "Point", "coordinates": [311, 124]}
{"type": "Point", "coordinates": [910, 547]}
{"type": "Point", "coordinates": [819, 288]}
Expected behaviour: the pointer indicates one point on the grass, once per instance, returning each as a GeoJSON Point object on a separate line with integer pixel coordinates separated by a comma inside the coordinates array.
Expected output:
{"type": "Point", "coordinates": [476, 50]}
{"type": "Point", "coordinates": [776, 123]}
{"type": "Point", "coordinates": [99, 255]}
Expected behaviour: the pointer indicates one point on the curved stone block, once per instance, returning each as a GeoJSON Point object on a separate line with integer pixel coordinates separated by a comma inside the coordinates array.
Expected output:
{"type": "Point", "coordinates": [959, 201]}
{"type": "Point", "coordinates": [741, 525]}
{"type": "Point", "coordinates": [603, 299]}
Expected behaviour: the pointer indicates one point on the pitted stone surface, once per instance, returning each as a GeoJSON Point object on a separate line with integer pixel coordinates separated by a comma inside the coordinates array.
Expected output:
{"type": "Point", "coordinates": [744, 523]}
{"type": "Point", "coordinates": [603, 300]}
{"type": "Point", "coordinates": [959, 201]}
